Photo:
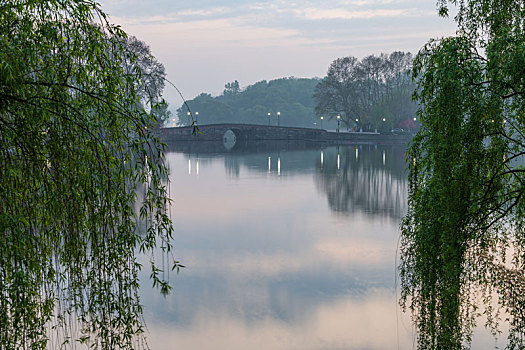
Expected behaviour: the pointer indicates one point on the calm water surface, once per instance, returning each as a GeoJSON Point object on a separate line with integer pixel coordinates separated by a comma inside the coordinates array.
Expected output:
{"type": "Point", "coordinates": [285, 247]}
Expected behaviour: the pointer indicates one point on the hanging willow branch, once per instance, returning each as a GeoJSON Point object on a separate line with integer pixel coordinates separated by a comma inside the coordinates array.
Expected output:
{"type": "Point", "coordinates": [77, 158]}
{"type": "Point", "coordinates": [463, 239]}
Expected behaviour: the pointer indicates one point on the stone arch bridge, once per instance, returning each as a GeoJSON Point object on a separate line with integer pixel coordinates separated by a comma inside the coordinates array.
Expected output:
{"type": "Point", "coordinates": [248, 133]}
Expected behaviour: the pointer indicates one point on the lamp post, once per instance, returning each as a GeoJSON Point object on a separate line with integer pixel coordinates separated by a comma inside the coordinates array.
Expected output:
{"type": "Point", "coordinates": [278, 115]}
{"type": "Point", "coordinates": [173, 120]}
{"type": "Point", "coordinates": [269, 114]}
{"type": "Point", "coordinates": [189, 116]}
{"type": "Point", "coordinates": [322, 122]}
{"type": "Point", "coordinates": [197, 118]}
{"type": "Point", "coordinates": [338, 121]}
{"type": "Point", "coordinates": [356, 122]}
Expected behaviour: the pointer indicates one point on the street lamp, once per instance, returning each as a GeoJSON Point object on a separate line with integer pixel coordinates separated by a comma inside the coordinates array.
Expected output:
{"type": "Point", "coordinates": [197, 118]}
{"type": "Point", "coordinates": [269, 118]}
{"type": "Point", "coordinates": [322, 122]}
{"type": "Point", "coordinates": [189, 116]}
{"type": "Point", "coordinates": [173, 120]}
{"type": "Point", "coordinates": [338, 121]}
{"type": "Point", "coordinates": [278, 115]}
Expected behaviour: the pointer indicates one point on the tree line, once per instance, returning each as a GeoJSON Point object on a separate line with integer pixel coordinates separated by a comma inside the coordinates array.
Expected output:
{"type": "Point", "coordinates": [291, 97]}
{"type": "Point", "coordinates": [373, 93]}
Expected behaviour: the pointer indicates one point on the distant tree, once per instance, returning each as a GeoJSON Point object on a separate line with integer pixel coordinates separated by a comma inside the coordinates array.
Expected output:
{"type": "Point", "coordinates": [151, 71]}
{"type": "Point", "coordinates": [369, 90]}
{"type": "Point", "coordinates": [75, 154]}
{"type": "Point", "coordinates": [338, 93]}
{"type": "Point", "coordinates": [152, 79]}
{"type": "Point", "coordinates": [232, 88]}
{"type": "Point", "coordinates": [197, 105]}
{"type": "Point", "coordinates": [290, 96]}
{"type": "Point", "coordinates": [160, 111]}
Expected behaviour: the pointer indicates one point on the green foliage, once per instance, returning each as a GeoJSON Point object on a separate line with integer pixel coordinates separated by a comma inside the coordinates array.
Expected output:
{"type": "Point", "coordinates": [376, 91]}
{"type": "Point", "coordinates": [463, 239]}
{"type": "Point", "coordinates": [75, 157]}
{"type": "Point", "coordinates": [292, 97]}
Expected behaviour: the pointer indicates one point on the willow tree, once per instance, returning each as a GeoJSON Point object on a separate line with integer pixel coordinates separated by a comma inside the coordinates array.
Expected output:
{"type": "Point", "coordinates": [74, 153]}
{"type": "Point", "coordinates": [463, 239]}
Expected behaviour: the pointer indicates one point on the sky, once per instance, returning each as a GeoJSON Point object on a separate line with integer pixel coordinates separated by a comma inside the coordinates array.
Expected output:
{"type": "Point", "coordinates": [205, 44]}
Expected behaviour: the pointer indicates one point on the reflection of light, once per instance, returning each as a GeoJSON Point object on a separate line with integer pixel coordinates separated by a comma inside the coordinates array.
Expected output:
{"type": "Point", "coordinates": [269, 164]}
{"type": "Point", "coordinates": [197, 166]}
{"type": "Point", "coordinates": [279, 166]}
{"type": "Point", "coordinates": [322, 157]}
{"type": "Point", "coordinates": [338, 162]}
{"type": "Point", "coordinates": [189, 166]}
{"type": "Point", "coordinates": [356, 153]}
{"type": "Point", "coordinates": [383, 157]}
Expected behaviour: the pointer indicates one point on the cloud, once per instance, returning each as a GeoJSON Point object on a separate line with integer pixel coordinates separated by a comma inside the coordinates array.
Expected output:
{"type": "Point", "coordinates": [237, 34]}
{"type": "Point", "coordinates": [202, 12]}
{"type": "Point", "coordinates": [274, 23]}
{"type": "Point", "coordinates": [372, 2]}
{"type": "Point", "coordinates": [217, 41]}
{"type": "Point", "coordinates": [183, 15]}
{"type": "Point", "coordinates": [282, 13]}
{"type": "Point", "coordinates": [337, 13]}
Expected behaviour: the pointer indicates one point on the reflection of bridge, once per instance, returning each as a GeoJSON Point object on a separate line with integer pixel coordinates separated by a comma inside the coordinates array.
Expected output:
{"type": "Point", "coordinates": [246, 132]}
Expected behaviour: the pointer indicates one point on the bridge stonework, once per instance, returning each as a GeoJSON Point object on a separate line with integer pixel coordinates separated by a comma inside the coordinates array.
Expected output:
{"type": "Point", "coordinates": [247, 132]}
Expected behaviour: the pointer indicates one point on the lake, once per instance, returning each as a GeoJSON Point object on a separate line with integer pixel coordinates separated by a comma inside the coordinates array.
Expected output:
{"type": "Point", "coordinates": [286, 246]}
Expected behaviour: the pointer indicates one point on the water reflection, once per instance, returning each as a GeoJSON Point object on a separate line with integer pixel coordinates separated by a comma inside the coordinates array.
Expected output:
{"type": "Point", "coordinates": [372, 182]}
{"type": "Point", "coordinates": [269, 265]}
